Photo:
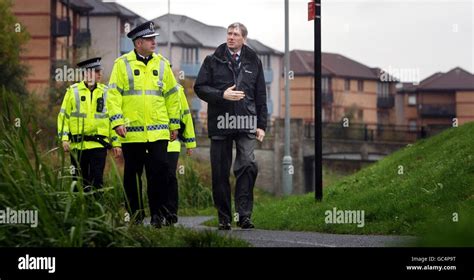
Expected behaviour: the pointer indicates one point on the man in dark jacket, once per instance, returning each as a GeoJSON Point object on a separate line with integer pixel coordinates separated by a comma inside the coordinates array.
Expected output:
{"type": "Point", "coordinates": [231, 81]}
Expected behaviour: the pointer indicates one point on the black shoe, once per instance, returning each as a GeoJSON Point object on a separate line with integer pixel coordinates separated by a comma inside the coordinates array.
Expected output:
{"type": "Point", "coordinates": [156, 221]}
{"type": "Point", "coordinates": [168, 221]}
{"type": "Point", "coordinates": [224, 226]}
{"type": "Point", "coordinates": [245, 223]}
{"type": "Point", "coordinates": [173, 219]}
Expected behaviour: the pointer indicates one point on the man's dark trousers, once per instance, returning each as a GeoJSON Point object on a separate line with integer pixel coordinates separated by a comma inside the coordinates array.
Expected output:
{"type": "Point", "coordinates": [135, 155]}
{"type": "Point", "coordinates": [89, 164]}
{"type": "Point", "coordinates": [245, 171]}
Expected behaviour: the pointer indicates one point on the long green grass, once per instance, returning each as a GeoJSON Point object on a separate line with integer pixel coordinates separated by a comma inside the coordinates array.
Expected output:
{"type": "Point", "coordinates": [32, 178]}
{"type": "Point", "coordinates": [419, 190]}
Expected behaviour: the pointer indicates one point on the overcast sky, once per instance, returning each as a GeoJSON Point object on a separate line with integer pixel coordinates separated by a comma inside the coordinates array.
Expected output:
{"type": "Point", "coordinates": [411, 35]}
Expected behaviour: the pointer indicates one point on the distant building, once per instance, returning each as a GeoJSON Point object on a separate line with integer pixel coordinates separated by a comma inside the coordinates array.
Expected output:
{"type": "Point", "coordinates": [349, 89]}
{"type": "Point", "coordinates": [191, 41]}
{"type": "Point", "coordinates": [109, 24]}
{"type": "Point", "coordinates": [55, 37]}
{"type": "Point", "coordinates": [437, 100]}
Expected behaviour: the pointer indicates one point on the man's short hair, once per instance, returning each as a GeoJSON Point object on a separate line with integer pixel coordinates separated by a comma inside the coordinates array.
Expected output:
{"type": "Point", "coordinates": [240, 26]}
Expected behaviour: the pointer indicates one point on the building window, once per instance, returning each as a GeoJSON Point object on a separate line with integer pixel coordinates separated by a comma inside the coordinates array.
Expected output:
{"type": "Point", "coordinates": [360, 115]}
{"type": "Point", "coordinates": [347, 84]}
{"type": "Point", "coordinates": [412, 125]}
{"type": "Point", "coordinates": [412, 100]}
{"type": "Point", "coordinates": [382, 89]}
{"type": "Point", "coordinates": [265, 58]}
{"type": "Point", "coordinates": [360, 85]}
{"type": "Point", "coordinates": [325, 84]}
{"type": "Point", "coordinates": [190, 55]}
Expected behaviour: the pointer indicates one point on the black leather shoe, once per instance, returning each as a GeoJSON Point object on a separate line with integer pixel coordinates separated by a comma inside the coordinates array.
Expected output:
{"type": "Point", "coordinates": [245, 223]}
{"type": "Point", "coordinates": [224, 226]}
{"type": "Point", "coordinates": [173, 219]}
{"type": "Point", "coordinates": [156, 221]}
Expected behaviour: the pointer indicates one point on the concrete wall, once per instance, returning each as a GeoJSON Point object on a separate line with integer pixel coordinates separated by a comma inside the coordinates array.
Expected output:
{"type": "Point", "coordinates": [269, 156]}
{"type": "Point", "coordinates": [270, 153]}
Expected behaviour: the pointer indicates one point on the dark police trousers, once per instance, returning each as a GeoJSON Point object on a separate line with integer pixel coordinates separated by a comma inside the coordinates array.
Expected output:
{"type": "Point", "coordinates": [245, 171]}
{"type": "Point", "coordinates": [173, 182]}
{"type": "Point", "coordinates": [91, 166]}
{"type": "Point", "coordinates": [135, 156]}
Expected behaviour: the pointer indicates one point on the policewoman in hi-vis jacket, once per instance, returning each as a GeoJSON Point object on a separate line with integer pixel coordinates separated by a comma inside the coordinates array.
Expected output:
{"type": "Point", "coordinates": [84, 126]}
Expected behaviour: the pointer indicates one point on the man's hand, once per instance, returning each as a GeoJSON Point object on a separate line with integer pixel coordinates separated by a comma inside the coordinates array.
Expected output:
{"type": "Point", "coordinates": [260, 134]}
{"type": "Point", "coordinates": [233, 95]}
{"type": "Point", "coordinates": [189, 152]}
{"type": "Point", "coordinates": [121, 130]}
{"type": "Point", "coordinates": [66, 146]}
{"type": "Point", "coordinates": [174, 135]}
{"type": "Point", "coordinates": [117, 152]}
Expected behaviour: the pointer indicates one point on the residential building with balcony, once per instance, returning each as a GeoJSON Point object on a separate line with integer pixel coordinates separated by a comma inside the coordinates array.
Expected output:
{"type": "Point", "coordinates": [55, 37]}
{"type": "Point", "coordinates": [349, 89]}
{"type": "Point", "coordinates": [437, 100]}
{"type": "Point", "coordinates": [186, 42]}
{"type": "Point", "coordinates": [109, 24]}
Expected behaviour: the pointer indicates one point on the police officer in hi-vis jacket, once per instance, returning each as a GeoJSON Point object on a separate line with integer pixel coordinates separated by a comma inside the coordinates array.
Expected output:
{"type": "Point", "coordinates": [84, 126]}
{"type": "Point", "coordinates": [144, 111]}
{"type": "Point", "coordinates": [187, 136]}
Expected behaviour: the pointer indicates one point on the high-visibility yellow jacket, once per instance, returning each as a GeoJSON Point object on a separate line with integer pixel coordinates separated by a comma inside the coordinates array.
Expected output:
{"type": "Point", "coordinates": [143, 98]}
{"type": "Point", "coordinates": [188, 133]}
{"type": "Point", "coordinates": [80, 116]}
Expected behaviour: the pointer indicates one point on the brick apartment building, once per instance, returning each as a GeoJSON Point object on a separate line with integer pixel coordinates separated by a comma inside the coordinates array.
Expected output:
{"type": "Point", "coordinates": [349, 89]}
{"type": "Point", "coordinates": [55, 37]}
{"type": "Point", "coordinates": [437, 100]}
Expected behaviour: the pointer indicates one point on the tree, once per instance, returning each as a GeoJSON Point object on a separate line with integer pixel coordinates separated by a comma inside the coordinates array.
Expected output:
{"type": "Point", "coordinates": [13, 37]}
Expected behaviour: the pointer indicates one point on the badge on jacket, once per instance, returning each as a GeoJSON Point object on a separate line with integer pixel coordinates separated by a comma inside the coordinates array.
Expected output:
{"type": "Point", "coordinates": [100, 104]}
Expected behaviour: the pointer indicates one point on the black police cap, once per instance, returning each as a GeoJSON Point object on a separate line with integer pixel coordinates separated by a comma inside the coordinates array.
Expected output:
{"type": "Point", "coordinates": [144, 30]}
{"type": "Point", "coordinates": [92, 63]}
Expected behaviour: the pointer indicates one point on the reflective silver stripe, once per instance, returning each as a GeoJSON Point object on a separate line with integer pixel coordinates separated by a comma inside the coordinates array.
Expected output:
{"type": "Point", "coordinates": [154, 92]}
{"type": "Point", "coordinates": [78, 104]}
{"type": "Point", "coordinates": [129, 73]}
{"type": "Point", "coordinates": [162, 73]}
{"type": "Point", "coordinates": [116, 87]}
{"type": "Point", "coordinates": [78, 115]}
{"type": "Point", "coordinates": [105, 100]}
{"type": "Point", "coordinates": [101, 116]}
{"type": "Point", "coordinates": [173, 90]}
{"type": "Point", "coordinates": [64, 112]}
{"type": "Point", "coordinates": [132, 92]}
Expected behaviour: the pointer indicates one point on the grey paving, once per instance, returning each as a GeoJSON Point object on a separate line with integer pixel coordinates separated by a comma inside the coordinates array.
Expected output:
{"type": "Point", "coordinates": [281, 238]}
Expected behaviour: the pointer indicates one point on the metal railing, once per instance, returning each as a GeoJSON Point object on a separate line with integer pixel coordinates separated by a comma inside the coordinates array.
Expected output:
{"type": "Point", "coordinates": [374, 132]}
{"type": "Point", "coordinates": [385, 101]}
{"type": "Point", "coordinates": [60, 27]}
{"type": "Point", "coordinates": [82, 38]}
{"type": "Point", "coordinates": [437, 110]}
{"type": "Point", "coordinates": [327, 97]}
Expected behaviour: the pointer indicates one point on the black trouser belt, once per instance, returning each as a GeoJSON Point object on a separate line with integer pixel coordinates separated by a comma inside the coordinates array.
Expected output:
{"type": "Point", "coordinates": [95, 138]}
